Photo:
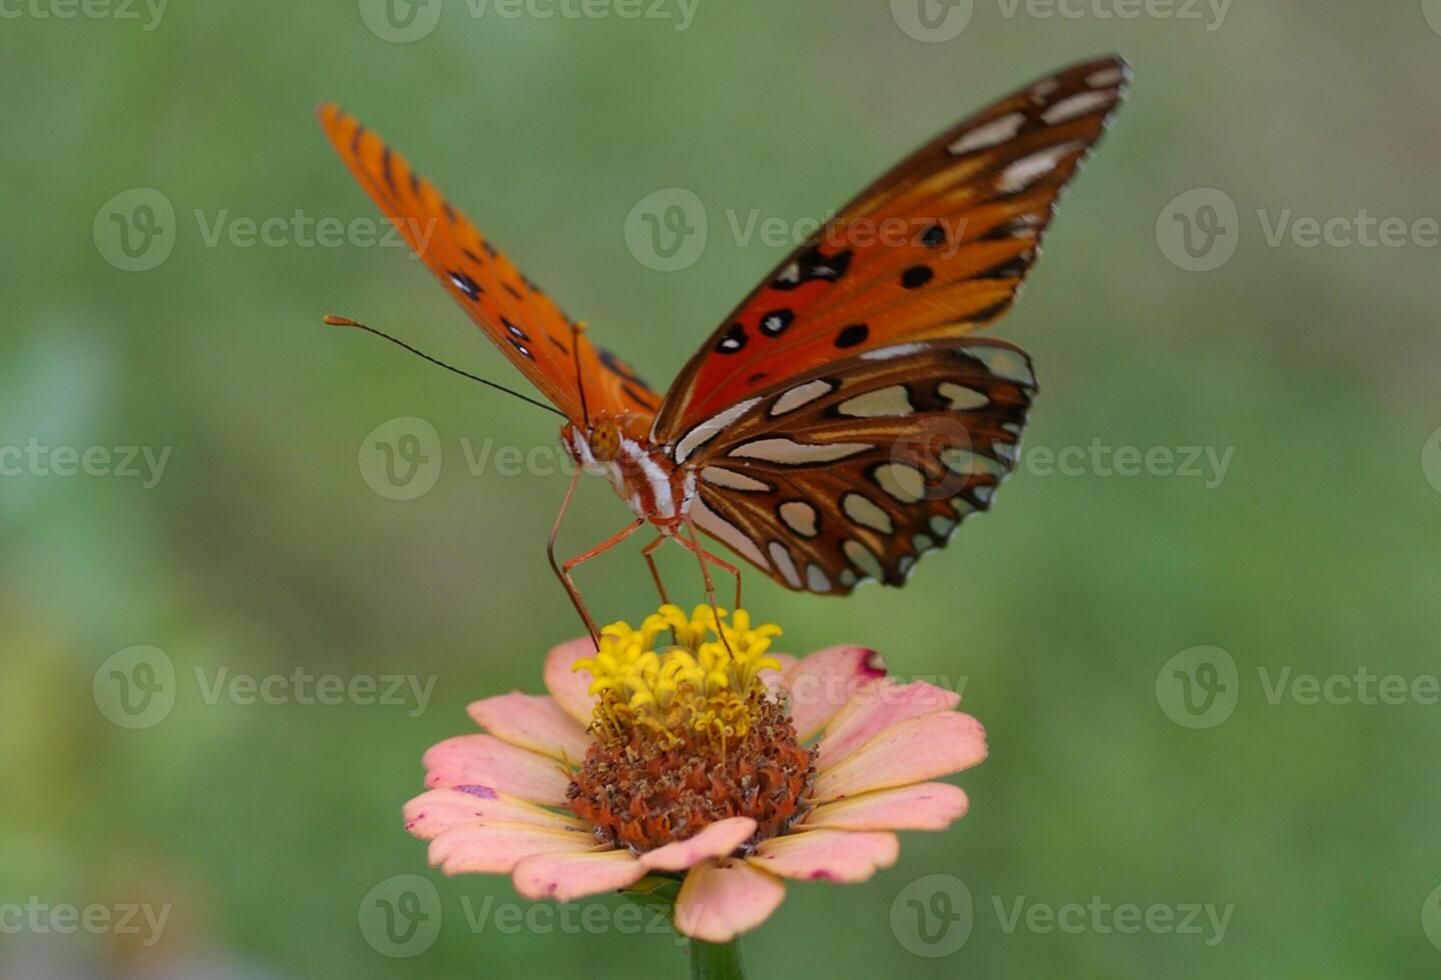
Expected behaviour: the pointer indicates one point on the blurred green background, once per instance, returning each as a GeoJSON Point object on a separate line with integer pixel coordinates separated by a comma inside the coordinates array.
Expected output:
{"type": "Point", "coordinates": [262, 549]}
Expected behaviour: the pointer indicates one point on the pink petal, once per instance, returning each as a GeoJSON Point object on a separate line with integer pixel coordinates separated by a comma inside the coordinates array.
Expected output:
{"type": "Point", "coordinates": [437, 810]}
{"type": "Point", "coordinates": [484, 760]}
{"type": "Point", "coordinates": [828, 855]}
{"type": "Point", "coordinates": [922, 806]}
{"type": "Point", "coordinates": [533, 722]}
{"type": "Point", "coordinates": [721, 900]}
{"type": "Point", "coordinates": [910, 751]}
{"type": "Point", "coordinates": [715, 841]}
{"type": "Point", "coordinates": [571, 688]}
{"type": "Point", "coordinates": [875, 707]}
{"type": "Point", "coordinates": [567, 877]}
{"type": "Point", "coordinates": [822, 683]}
{"type": "Point", "coordinates": [498, 848]}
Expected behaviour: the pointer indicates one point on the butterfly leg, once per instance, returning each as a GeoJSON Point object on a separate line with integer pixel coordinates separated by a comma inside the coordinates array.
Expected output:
{"type": "Point", "coordinates": [563, 569]}
{"type": "Point", "coordinates": [648, 552]}
{"type": "Point", "coordinates": [706, 559]}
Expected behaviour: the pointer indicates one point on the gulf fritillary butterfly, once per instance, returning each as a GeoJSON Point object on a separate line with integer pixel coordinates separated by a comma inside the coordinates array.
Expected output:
{"type": "Point", "coordinates": [841, 422]}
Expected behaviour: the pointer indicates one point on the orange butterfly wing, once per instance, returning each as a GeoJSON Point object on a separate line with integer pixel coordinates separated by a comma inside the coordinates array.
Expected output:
{"type": "Point", "coordinates": [523, 321]}
{"type": "Point", "coordinates": [935, 249]}
{"type": "Point", "coordinates": [859, 468]}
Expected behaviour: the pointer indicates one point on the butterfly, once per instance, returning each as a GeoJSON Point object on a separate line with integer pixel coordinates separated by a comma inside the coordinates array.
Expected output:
{"type": "Point", "coordinates": [843, 420]}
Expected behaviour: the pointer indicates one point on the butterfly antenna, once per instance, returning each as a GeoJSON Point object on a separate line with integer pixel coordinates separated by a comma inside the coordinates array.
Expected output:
{"type": "Point", "coordinates": [575, 330]}
{"type": "Point", "coordinates": [341, 321]}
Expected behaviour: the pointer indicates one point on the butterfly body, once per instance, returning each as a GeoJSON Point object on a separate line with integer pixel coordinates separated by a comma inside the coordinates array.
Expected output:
{"type": "Point", "coordinates": [642, 474]}
{"type": "Point", "coordinates": [843, 420]}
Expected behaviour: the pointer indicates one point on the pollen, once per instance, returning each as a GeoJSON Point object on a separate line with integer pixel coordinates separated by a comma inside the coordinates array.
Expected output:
{"type": "Point", "coordinates": [687, 731]}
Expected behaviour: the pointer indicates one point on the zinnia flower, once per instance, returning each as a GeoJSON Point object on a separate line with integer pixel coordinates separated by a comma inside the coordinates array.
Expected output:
{"type": "Point", "coordinates": [695, 760]}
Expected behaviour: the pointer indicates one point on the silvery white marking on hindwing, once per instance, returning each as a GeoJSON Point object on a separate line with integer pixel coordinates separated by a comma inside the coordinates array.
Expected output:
{"type": "Point", "coordinates": [791, 453]}
{"type": "Point", "coordinates": [781, 555]}
{"type": "Point", "coordinates": [710, 428]}
{"type": "Point", "coordinates": [723, 530]}
{"type": "Point", "coordinates": [863, 558]}
{"type": "Point", "coordinates": [904, 483]}
{"type": "Point", "coordinates": [816, 579]}
{"type": "Point", "coordinates": [800, 517]}
{"type": "Point", "coordinates": [1006, 363]}
{"type": "Point", "coordinates": [888, 402]}
{"type": "Point", "coordinates": [961, 398]}
{"type": "Point", "coordinates": [720, 477]}
{"type": "Point", "coordinates": [867, 513]}
{"type": "Point", "coordinates": [801, 395]}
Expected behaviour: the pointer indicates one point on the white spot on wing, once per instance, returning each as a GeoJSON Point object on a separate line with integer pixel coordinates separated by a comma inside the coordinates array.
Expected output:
{"type": "Point", "coordinates": [801, 395]}
{"type": "Point", "coordinates": [867, 513]}
{"type": "Point", "coordinates": [904, 483]}
{"type": "Point", "coordinates": [887, 353]}
{"type": "Point", "coordinates": [990, 134]}
{"type": "Point", "coordinates": [1005, 362]}
{"type": "Point", "coordinates": [816, 579]}
{"type": "Point", "coordinates": [863, 558]}
{"type": "Point", "coordinates": [723, 530]}
{"type": "Point", "coordinates": [792, 453]}
{"type": "Point", "coordinates": [781, 555]}
{"type": "Point", "coordinates": [1106, 77]}
{"type": "Point", "coordinates": [889, 402]}
{"type": "Point", "coordinates": [731, 480]}
{"type": "Point", "coordinates": [1077, 105]}
{"type": "Point", "coordinates": [711, 427]}
{"type": "Point", "coordinates": [800, 517]}
{"type": "Point", "coordinates": [1027, 170]}
{"type": "Point", "coordinates": [962, 398]}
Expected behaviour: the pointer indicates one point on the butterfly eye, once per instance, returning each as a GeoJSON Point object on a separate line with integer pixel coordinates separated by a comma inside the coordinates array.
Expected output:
{"type": "Point", "coordinates": [604, 442]}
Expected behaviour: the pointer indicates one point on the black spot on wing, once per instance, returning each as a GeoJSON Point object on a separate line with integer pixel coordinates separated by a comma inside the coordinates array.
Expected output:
{"type": "Point", "coordinates": [733, 340]}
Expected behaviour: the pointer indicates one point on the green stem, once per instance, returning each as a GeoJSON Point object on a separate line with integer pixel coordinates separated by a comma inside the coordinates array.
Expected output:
{"type": "Point", "coordinates": [716, 961]}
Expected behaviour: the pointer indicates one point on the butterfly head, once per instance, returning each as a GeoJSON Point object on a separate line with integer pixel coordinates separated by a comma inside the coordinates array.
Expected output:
{"type": "Point", "coordinates": [604, 441]}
